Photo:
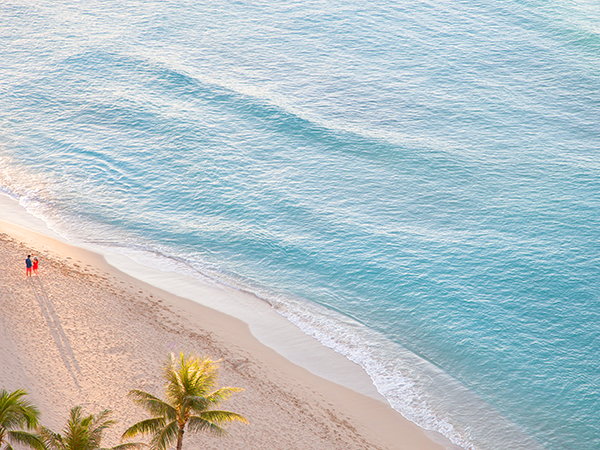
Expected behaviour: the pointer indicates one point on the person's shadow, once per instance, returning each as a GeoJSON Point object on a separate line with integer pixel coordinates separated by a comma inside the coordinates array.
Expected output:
{"type": "Point", "coordinates": [58, 333]}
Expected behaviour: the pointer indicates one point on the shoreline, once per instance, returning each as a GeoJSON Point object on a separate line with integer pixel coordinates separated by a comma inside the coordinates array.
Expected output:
{"type": "Point", "coordinates": [374, 424]}
{"type": "Point", "coordinates": [269, 327]}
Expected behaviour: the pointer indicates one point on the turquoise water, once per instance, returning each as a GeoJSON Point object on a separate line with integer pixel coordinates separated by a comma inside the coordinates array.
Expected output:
{"type": "Point", "coordinates": [415, 184]}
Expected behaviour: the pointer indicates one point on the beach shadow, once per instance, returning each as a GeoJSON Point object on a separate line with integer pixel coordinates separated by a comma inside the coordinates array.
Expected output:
{"type": "Point", "coordinates": [60, 338]}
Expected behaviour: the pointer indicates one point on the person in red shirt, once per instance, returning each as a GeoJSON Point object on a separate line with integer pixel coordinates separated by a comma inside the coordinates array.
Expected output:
{"type": "Point", "coordinates": [35, 264]}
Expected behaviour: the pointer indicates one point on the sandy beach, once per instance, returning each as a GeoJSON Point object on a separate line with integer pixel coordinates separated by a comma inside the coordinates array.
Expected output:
{"type": "Point", "coordinates": [84, 333]}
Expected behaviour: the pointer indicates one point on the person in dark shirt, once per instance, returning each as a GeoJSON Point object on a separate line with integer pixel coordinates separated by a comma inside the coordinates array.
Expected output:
{"type": "Point", "coordinates": [28, 264]}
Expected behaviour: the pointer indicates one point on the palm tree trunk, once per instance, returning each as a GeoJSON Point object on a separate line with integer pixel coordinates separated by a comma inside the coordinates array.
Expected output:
{"type": "Point", "coordinates": [180, 437]}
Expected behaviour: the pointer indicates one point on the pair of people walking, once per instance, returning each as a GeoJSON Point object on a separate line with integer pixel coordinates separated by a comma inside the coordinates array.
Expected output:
{"type": "Point", "coordinates": [32, 265]}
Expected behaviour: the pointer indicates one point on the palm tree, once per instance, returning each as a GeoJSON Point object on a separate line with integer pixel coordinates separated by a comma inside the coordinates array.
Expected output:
{"type": "Point", "coordinates": [189, 399]}
{"type": "Point", "coordinates": [83, 432]}
{"type": "Point", "coordinates": [17, 413]}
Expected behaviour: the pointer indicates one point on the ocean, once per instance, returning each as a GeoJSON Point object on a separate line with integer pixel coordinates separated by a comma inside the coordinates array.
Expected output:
{"type": "Point", "coordinates": [415, 184]}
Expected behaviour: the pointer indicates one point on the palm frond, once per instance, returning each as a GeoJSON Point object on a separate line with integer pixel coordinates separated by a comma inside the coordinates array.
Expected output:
{"type": "Point", "coordinates": [222, 417]}
{"type": "Point", "coordinates": [102, 420]}
{"type": "Point", "coordinates": [17, 412]}
{"type": "Point", "coordinates": [145, 427]}
{"type": "Point", "coordinates": [75, 414]}
{"type": "Point", "coordinates": [26, 438]}
{"type": "Point", "coordinates": [197, 404]}
{"type": "Point", "coordinates": [152, 404]}
{"type": "Point", "coordinates": [98, 424]}
{"type": "Point", "coordinates": [166, 437]}
{"type": "Point", "coordinates": [189, 376]}
{"type": "Point", "coordinates": [222, 394]}
{"type": "Point", "coordinates": [174, 390]}
{"type": "Point", "coordinates": [12, 419]}
{"type": "Point", "coordinates": [82, 432]}
{"type": "Point", "coordinates": [197, 424]}
{"type": "Point", "coordinates": [76, 433]}
{"type": "Point", "coordinates": [126, 446]}
{"type": "Point", "coordinates": [51, 439]}
{"type": "Point", "coordinates": [139, 395]}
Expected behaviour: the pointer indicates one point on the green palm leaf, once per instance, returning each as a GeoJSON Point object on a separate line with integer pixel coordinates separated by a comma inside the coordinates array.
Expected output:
{"type": "Point", "coordinates": [26, 439]}
{"type": "Point", "coordinates": [189, 390]}
{"type": "Point", "coordinates": [145, 427]}
{"type": "Point", "coordinates": [17, 415]}
{"type": "Point", "coordinates": [197, 424]}
{"type": "Point", "coordinates": [165, 437]}
{"type": "Point", "coordinates": [152, 404]}
{"type": "Point", "coordinates": [82, 432]}
{"type": "Point", "coordinates": [52, 439]}
{"type": "Point", "coordinates": [222, 417]}
{"type": "Point", "coordinates": [126, 446]}
{"type": "Point", "coordinates": [222, 394]}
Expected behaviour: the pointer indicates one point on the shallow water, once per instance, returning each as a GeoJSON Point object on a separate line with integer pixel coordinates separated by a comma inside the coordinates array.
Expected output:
{"type": "Point", "coordinates": [416, 185]}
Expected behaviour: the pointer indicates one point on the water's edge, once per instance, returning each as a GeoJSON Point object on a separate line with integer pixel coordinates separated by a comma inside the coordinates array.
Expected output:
{"type": "Point", "coordinates": [301, 339]}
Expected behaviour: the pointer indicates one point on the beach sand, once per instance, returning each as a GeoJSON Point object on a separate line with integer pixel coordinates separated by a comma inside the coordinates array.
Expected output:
{"type": "Point", "coordinates": [84, 333]}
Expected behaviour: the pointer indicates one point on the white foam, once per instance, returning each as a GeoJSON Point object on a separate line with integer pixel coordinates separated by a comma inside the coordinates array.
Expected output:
{"type": "Point", "coordinates": [324, 342]}
{"type": "Point", "coordinates": [266, 325]}
{"type": "Point", "coordinates": [11, 211]}
{"type": "Point", "coordinates": [341, 350]}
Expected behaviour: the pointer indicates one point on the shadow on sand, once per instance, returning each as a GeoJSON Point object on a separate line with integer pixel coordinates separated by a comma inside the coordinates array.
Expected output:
{"type": "Point", "coordinates": [60, 338]}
